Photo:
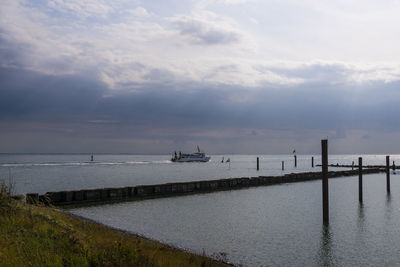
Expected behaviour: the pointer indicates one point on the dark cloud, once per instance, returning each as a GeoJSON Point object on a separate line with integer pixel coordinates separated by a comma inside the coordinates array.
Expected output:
{"type": "Point", "coordinates": [27, 95]}
{"type": "Point", "coordinates": [13, 54]}
{"type": "Point", "coordinates": [34, 96]}
{"type": "Point", "coordinates": [81, 107]}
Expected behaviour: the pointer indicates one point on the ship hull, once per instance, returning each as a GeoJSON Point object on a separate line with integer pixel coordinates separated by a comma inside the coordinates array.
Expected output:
{"type": "Point", "coordinates": [206, 159]}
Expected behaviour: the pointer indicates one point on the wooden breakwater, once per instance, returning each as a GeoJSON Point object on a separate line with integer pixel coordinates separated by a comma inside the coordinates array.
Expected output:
{"type": "Point", "coordinates": [129, 193]}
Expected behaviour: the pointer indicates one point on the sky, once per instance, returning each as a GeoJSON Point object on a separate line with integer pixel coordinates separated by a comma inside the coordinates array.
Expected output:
{"type": "Point", "coordinates": [232, 76]}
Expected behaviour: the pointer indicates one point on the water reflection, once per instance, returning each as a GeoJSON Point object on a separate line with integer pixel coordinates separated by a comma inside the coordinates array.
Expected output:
{"type": "Point", "coordinates": [361, 215]}
{"type": "Point", "coordinates": [325, 249]}
{"type": "Point", "coordinates": [388, 208]}
{"type": "Point", "coordinates": [388, 199]}
{"type": "Point", "coordinates": [361, 227]}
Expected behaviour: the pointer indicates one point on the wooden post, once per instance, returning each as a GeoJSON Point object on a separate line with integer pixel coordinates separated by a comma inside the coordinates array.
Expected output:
{"type": "Point", "coordinates": [352, 165]}
{"type": "Point", "coordinates": [258, 164]}
{"type": "Point", "coordinates": [360, 181]}
{"type": "Point", "coordinates": [387, 175]}
{"type": "Point", "coordinates": [283, 165]}
{"type": "Point", "coordinates": [295, 161]}
{"type": "Point", "coordinates": [325, 188]}
{"type": "Point", "coordinates": [312, 162]}
{"type": "Point", "coordinates": [394, 166]}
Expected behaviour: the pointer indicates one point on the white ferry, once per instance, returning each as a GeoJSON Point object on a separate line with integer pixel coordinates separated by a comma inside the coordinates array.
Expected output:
{"type": "Point", "coordinates": [195, 157]}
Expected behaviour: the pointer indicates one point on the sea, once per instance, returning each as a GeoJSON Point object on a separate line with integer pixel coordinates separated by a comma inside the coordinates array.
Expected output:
{"type": "Point", "coordinates": [279, 225]}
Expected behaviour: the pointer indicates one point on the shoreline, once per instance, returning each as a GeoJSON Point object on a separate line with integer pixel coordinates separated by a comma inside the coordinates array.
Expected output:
{"type": "Point", "coordinates": [143, 237]}
{"type": "Point", "coordinates": [38, 235]}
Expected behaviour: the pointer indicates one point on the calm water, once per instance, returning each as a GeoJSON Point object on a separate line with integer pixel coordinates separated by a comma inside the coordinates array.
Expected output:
{"type": "Point", "coordinates": [274, 225]}
{"type": "Point", "coordinates": [43, 173]}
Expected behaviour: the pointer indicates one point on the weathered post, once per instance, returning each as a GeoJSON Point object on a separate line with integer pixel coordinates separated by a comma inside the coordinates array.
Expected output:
{"type": "Point", "coordinates": [283, 165]}
{"type": "Point", "coordinates": [387, 175]}
{"type": "Point", "coordinates": [295, 161]}
{"type": "Point", "coordinates": [394, 166]}
{"type": "Point", "coordinates": [258, 164]}
{"type": "Point", "coordinates": [312, 162]}
{"type": "Point", "coordinates": [360, 181]}
{"type": "Point", "coordinates": [325, 189]}
{"type": "Point", "coordinates": [352, 165]}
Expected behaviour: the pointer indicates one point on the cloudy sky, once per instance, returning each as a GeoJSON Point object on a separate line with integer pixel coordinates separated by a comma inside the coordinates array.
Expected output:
{"type": "Point", "coordinates": [233, 76]}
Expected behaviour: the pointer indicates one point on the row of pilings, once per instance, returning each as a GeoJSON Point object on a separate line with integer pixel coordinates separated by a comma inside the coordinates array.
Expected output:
{"type": "Point", "coordinates": [325, 176]}
{"type": "Point", "coordinates": [130, 193]}
{"type": "Point", "coordinates": [353, 166]}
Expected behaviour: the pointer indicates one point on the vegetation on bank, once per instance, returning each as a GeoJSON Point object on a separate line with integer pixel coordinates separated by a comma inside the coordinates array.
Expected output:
{"type": "Point", "coordinates": [42, 236]}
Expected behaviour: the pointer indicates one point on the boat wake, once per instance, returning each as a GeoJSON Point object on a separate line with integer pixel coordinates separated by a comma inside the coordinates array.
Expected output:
{"type": "Point", "coordinates": [89, 163]}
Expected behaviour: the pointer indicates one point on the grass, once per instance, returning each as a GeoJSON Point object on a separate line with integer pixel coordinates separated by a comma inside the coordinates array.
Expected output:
{"type": "Point", "coordinates": [43, 236]}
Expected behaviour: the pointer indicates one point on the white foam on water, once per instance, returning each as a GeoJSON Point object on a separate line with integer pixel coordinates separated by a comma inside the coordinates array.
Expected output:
{"type": "Point", "coordinates": [56, 164]}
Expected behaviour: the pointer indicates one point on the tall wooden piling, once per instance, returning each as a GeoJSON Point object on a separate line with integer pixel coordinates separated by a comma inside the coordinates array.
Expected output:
{"type": "Point", "coordinates": [295, 161]}
{"type": "Point", "coordinates": [283, 165]}
{"type": "Point", "coordinates": [360, 181]}
{"type": "Point", "coordinates": [325, 188]}
{"type": "Point", "coordinates": [312, 162]}
{"type": "Point", "coordinates": [394, 166]}
{"type": "Point", "coordinates": [258, 164]}
{"type": "Point", "coordinates": [387, 175]}
{"type": "Point", "coordinates": [352, 165]}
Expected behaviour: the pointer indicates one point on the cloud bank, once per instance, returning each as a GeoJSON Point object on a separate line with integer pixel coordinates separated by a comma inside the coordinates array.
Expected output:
{"type": "Point", "coordinates": [122, 77]}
